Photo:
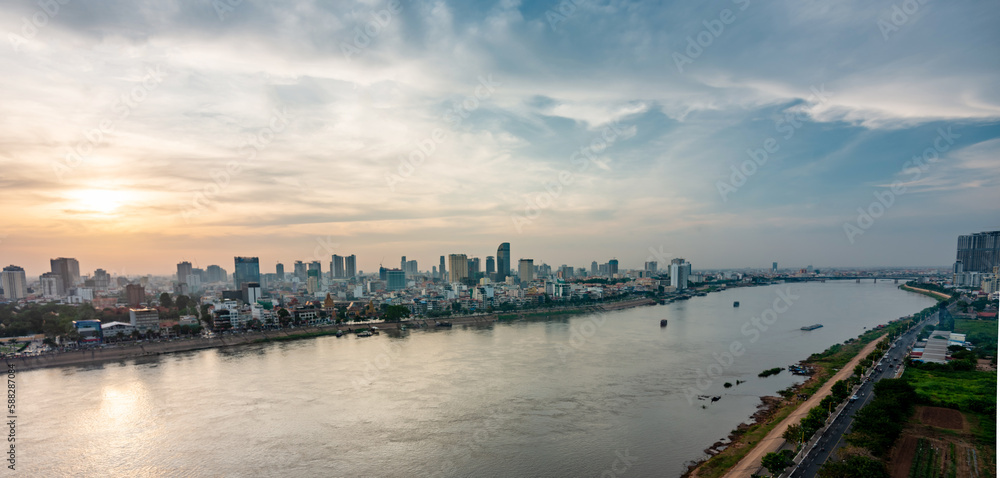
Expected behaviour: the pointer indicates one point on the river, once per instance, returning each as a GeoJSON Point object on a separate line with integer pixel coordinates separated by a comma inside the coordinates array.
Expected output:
{"type": "Point", "coordinates": [597, 395]}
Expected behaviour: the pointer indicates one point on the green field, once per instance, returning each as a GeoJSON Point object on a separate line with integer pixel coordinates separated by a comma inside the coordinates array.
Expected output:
{"type": "Point", "coordinates": [966, 391]}
{"type": "Point", "coordinates": [978, 331]}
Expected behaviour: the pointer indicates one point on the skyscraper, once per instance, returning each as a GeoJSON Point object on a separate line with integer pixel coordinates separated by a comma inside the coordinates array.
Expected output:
{"type": "Point", "coordinates": [351, 266]}
{"type": "Point", "coordinates": [651, 267]}
{"type": "Point", "coordinates": [402, 264]}
{"type": "Point", "coordinates": [247, 270]}
{"type": "Point", "coordinates": [395, 279]}
{"type": "Point", "coordinates": [316, 266]}
{"type": "Point", "coordinates": [279, 271]}
{"type": "Point", "coordinates": [503, 261]}
{"type": "Point", "coordinates": [216, 274]}
{"type": "Point", "coordinates": [300, 270]}
{"type": "Point", "coordinates": [14, 283]}
{"type": "Point", "coordinates": [491, 266]}
{"type": "Point", "coordinates": [613, 267]}
{"type": "Point", "coordinates": [183, 271]}
{"type": "Point", "coordinates": [442, 270]}
{"type": "Point", "coordinates": [458, 267]}
{"type": "Point", "coordinates": [774, 267]}
{"type": "Point", "coordinates": [594, 268]}
{"type": "Point", "coordinates": [979, 252]}
{"type": "Point", "coordinates": [526, 270]}
{"type": "Point", "coordinates": [337, 266]}
{"type": "Point", "coordinates": [679, 272]}
{"type": "Point", "coordinates": [68, 269]}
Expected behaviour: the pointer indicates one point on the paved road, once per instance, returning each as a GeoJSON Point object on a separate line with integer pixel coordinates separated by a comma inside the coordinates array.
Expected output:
{"type": "Point", "coordinates": [833, 439]}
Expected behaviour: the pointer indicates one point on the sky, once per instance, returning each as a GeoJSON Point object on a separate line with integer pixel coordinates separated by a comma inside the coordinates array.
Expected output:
{"type": "Point", "coordinates": [136, 134]}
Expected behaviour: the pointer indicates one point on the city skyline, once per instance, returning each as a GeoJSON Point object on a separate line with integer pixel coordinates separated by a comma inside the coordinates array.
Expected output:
{"type": "Point", "coordinates": [730, 143]}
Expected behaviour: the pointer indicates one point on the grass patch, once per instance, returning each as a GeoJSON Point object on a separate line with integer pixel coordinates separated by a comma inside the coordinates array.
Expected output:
{"type": "Point", "coordinates": [966, 391]}
{"type": "Point", "coordinates": [541, 313]}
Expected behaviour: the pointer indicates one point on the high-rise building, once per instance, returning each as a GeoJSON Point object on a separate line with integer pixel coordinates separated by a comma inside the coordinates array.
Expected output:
{"type": "Point", "coordinates": [316, 266]}
{"type": "Point", "coordinates": [458, 267]}
{"type": "Point", "coordinates": [503, 261]}
{"type": "Point", "coordinates": [402, 264]}
{"type": "Point", "coordinates": [337, 266]}
{"type": "Point", "coordinates": [491, 266]}
{"type": "Point", "coordinates": [612, 267]}
{"type": "Point", "coordinates": [679, 273]}
{"type": "Point", "coordinates": [351, 266]}
{"type": "Point", "coordinates": [979, 252]}
{"type": "Point", "coordinates": [136, 294]}
{"type": "Point", "coordinates": [395, 279]}
{"type": "Point", "coordinates": [474, 268]}
{"type": "Point", "coordinates": [526, 270]}
{"type": "Point", "coordinates": [68, 269]}
{"type": "Point", "coordinates": [442, 270]}
{"type": "Point", "coordinates": [14, 283]}
{"type": "Point", "coordinates": [594, 269]}
{"type": "Point", "coordinates": [312, 281]}
{"type": "Point", "coordinates": [251, 292]}
{"type": "Point", "coordinates": [565, 272]}
{"type": "Point", "coordinates": [183, 270]}
{"type": "Point", "coordinates": [279, 271]}
{"type": "Point", "coordinates": [217, 274]}
{"type": "Point", "coordinates": [247, 270]}
{"type": "Point", "coordinates": [102, 280]}
{"type": "Point", "coordinates": [651, 267]}
{"type": "Point", "coordinates": [300, 270]}
{"type": "Point", "coordinates": [51, 285]}
{"type": "Point", "coordinates": [410, 268]}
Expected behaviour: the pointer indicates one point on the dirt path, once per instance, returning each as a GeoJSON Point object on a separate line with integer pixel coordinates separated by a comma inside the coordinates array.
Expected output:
{"type": "Point", "coordinates": [773, 441]}
{"type": "Point", "coordinates": [931, 292]}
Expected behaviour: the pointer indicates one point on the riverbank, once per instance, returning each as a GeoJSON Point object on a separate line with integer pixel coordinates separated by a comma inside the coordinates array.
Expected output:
{"type": "Point", "coordinates": [741, 458]}
{"type": "Point", "coordinates": [929, 293]}
{"type": "Point", "coordinates": [136, 350]}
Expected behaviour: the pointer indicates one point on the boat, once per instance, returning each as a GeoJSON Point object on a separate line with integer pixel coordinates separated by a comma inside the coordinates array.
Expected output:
{"type": "Point", "coordinates": [340, 333]}
{"type": "Point", "coordinates": [366, 333]}
{"type": "Point", "coordinates": [663, 323]}
{"type": "Point", "coordinates": [736, 303]}
{"type": "Point", "coordinates": [443, 324]}
{"type": "Point", "coordinates": [812, 327]}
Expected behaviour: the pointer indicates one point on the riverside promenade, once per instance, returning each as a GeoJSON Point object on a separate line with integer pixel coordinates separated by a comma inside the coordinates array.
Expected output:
{"type": "Point", "coordinates": [137, 350]}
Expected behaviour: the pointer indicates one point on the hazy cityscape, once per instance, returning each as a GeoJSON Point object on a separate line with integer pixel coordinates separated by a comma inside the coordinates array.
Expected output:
{"type": "Point", "coordinates": [434, 238]}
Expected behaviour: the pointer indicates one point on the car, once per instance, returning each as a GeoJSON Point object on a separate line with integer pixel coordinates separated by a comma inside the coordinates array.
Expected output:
{"type": "Point", "coordinates": [854, 398]}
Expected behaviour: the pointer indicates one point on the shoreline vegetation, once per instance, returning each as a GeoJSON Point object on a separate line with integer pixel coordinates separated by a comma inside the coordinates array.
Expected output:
{"type": "Point", "coordinates": [724, 456]}
{"type": "Point", "coordinates": [140, 350]}
{"type": "Point", "coordinates": [940, 296]}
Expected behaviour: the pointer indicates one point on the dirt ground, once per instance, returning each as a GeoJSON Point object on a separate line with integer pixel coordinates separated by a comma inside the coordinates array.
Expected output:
{"type": "Point", "coordinates": [942, 417]}
{"type": "Point", "coordinates": [932, 425]}
{"type": "Point", "coordinates": [902, 456]}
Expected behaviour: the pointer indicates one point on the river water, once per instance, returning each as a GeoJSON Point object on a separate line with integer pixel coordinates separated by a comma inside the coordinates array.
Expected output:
{"type": "Point", "coordinates": [599, 395]}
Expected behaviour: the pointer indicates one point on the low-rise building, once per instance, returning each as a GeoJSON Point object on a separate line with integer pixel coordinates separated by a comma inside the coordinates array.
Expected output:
{"type": "Point", "coordinates": [144, 319]}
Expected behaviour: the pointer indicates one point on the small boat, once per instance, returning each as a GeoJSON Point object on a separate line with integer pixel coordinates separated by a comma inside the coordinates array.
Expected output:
{"type": "Point", "coordinates": [366, 333]}
{"type": "Point", "coordinates": [812, 327]}
{"type": "Point", "coordinates": [736, 303]}
{"type": "Point", "coordinates": [340, 333]}
{"type": "Point", "coordinates": [663, 323]}
{"type": "Point", "coordinates": [443, 324]}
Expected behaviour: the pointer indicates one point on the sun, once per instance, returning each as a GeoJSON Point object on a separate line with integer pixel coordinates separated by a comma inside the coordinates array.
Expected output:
{"type": "Point", "coordinates": [103, 202]}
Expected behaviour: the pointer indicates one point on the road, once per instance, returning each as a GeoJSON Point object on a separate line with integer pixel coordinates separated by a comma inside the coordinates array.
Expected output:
{"type": "Point", "coordinates": [833, 439]}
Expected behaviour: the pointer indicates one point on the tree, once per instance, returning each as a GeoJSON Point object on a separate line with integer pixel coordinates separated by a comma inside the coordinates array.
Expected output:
{"type": "Point", "coordinates": [859, 370]}
{"type": "Point", "coordinates": [794, 434]}
{"type": "Point", "coordinates": [394, 313]}
{"type": "Point", "coordinates": [182, 302]}
{"type": "Point", "coordinates": [777, 461]}
{"type": "Point", "coordinates": [165, 300]}
{"type": "Point", "coordinates": [840, 390]}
